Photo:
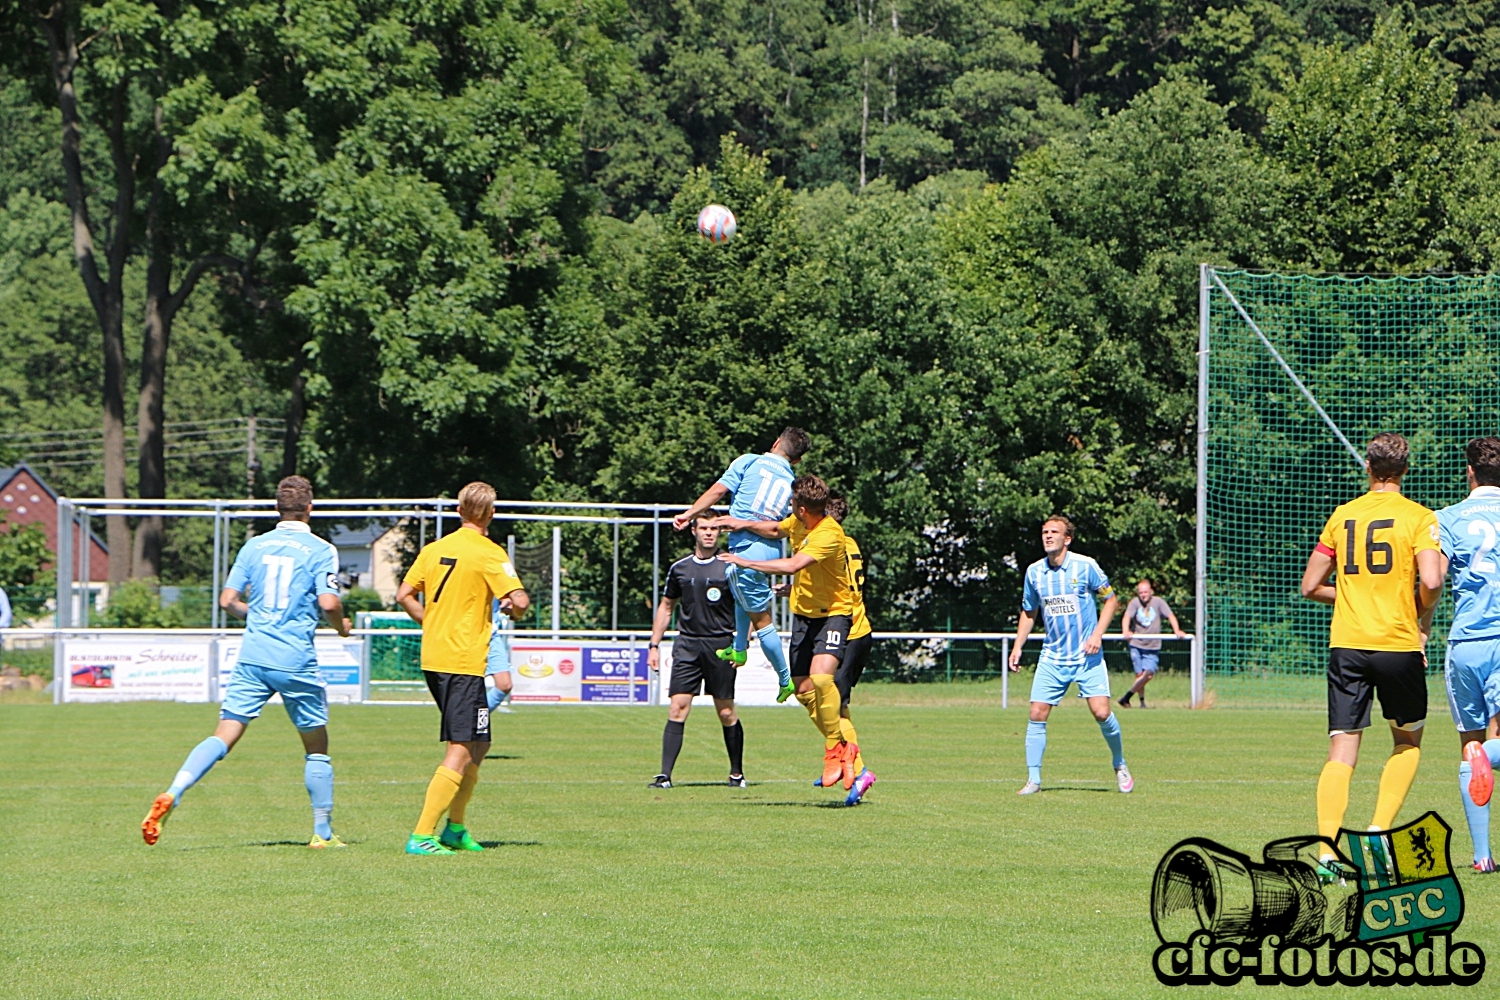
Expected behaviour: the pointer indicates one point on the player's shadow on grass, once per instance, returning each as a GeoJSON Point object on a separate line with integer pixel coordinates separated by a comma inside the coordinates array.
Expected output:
{"type": "Point", "coordinates": [503, 756]}
{"type": "Point", "coordinates": [832, 804]}
{"type": "Point", "coordinates": [278, 843]}
{"type": "Point", "coordinates": [707, 784]}
{"type": "Point", "coordinates": [1066, 788]}
{"type": "Point", "coordinates": [487, 844]}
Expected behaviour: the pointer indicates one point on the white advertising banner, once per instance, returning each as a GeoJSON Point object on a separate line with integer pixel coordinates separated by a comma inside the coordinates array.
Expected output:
{"type": "Point", "coordinates": [754, 684]}
{"type": "Point", "coordinates": [126, 669]}
{"type": "Point", "coordinates": [338, 662]}
{"type": "Point", "coordinates": [594, 673]}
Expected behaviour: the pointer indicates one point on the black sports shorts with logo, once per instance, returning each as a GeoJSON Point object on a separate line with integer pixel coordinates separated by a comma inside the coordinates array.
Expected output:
{"type": "Point", "coordinates": [1354, 675]}
{"type": "Point", "coordinates": [697, 670]}
{"type": "Point", "coordinates": [814, 637]}
{"type": "Point", "coordinates": [852, 666]}
{"type": "Point", "coordinates": [461, 699]}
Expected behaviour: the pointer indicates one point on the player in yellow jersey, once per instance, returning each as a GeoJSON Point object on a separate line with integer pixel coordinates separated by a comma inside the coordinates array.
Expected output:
{"type": "Point", "coordinates": [822, 610]}
{"type": "Point", "coordinates": [861, 641]}
{"type": "Point", "coordinates": [1384, 551]}
{"type": "Point", "coordinates": [461, 574]}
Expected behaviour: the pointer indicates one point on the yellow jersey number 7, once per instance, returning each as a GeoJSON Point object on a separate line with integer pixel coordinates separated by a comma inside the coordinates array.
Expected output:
{"type": "Point", "coordinates": [450, 562]}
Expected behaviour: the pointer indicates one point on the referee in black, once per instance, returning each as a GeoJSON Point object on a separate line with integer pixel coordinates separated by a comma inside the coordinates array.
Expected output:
{"type": "Point", "coordinates": [698, 589]}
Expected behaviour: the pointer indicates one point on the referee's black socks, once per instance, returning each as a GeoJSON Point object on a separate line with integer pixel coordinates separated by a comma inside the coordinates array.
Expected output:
{"type": "Point", "coordinates": [734, 742]}
{"type": "Point", "coordinates": [671, 746]}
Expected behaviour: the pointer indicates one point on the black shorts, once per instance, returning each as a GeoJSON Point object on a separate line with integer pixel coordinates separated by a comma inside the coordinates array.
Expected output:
{"type": "Point", "coordinates": [696, 670]}
{"type": "Point", "coordinates": [853, 665]}
{"type": "Point", "coordinates": [466, 712]}
{"type": "Point", "coordinates": [815, 637]}
{"type": "Point", "coordinates": [1400, 679]}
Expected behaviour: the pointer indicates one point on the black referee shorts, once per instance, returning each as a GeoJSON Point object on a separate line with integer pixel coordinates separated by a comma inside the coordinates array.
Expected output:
{"type": "Point", "coordinates": [815, 637]}
{"type": "Point", "coordinates": [1355, 675]}
{"type": "Point", "coordinates": [697, 670]}
{"type": "Point", "coordinates": [853, 665]}
{"type": "Point", "coordinates": [461, 699]}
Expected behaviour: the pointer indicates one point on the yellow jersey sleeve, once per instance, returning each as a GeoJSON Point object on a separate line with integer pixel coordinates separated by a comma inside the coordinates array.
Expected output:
{"type": "Point", "coordinates": [1428, 535]}
{"type": "Point", "coordinates": [501, 575]}
{"type": "Point", "coordinates": [417, 575]}
{"type": "Point", "coordinates": [1328, 540]}
{"type": "Point", "coordinates": [789, 525]}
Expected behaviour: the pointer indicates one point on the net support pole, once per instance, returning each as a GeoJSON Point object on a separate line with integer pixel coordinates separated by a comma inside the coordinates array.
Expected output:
{"type": "Point", "coordinates": [655, 557]}
{"type": "Point", "coordinates": [66, 519]}
{"type": "Point", "coordinates": [1005, 673]}
{"type": "Point", "coordinates": [1197, 670]}
{"type": "Point", "coordinates": [556, 581]}
{"type": "Point", "coordinates": [614, 595]}
{"type": "Point", "coordinates": [85, 565]}
{"type": "Point", "coordinates": [1359, 460]}
{"type": "Point", "coordinates": [214, 611]}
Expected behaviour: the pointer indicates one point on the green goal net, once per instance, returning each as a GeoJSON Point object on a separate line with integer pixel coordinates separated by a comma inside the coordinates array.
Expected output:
{"type": "Point", "coordinates": [1302, 371]}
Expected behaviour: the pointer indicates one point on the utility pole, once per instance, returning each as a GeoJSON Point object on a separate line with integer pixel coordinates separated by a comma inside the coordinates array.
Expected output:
{"type": "Point", "coordinates": [252, 466]}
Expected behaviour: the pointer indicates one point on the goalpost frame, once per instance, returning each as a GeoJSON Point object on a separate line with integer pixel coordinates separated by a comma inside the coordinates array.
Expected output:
{"type": "Point", "coordinates": [1200, 590]}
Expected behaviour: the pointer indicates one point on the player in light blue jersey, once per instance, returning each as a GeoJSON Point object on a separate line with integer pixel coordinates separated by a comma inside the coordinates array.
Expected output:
{"type": "Point", "coordinates": [497, 664]}
{"type": "Point", "coordinates": [1062, 587]}
{"type": "Point", "coordinates": [280, 582]}
{"type": "Point", "coordinates": [759, 488]}
{"type": "Point", "coordinates": [1469, 532]}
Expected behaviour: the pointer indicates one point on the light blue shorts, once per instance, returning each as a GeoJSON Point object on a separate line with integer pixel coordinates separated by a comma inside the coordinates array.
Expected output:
{"type": "Point", "coordinates": [1052, 679]}
{"type": "Point", "coordinates": [251, 686]}
{"type": "Point", "coordinates": [1472, 676]}
{"type": "Point", "coordinates": [1145, 660]}
{"type": "Point", "coordinates": [751, 588]}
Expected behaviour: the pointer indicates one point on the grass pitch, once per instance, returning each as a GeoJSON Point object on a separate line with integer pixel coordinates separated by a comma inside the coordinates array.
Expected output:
{"type": "Point", "coordinates": [944, 884]}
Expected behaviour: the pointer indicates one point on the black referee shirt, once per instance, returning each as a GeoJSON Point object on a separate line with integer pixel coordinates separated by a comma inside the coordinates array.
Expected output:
{"type": "Point", "coordinates": [705, 608]}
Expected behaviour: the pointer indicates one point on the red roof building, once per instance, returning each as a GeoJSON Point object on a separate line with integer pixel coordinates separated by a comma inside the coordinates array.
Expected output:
{"type": "Point", "coordinates": [25, 498]}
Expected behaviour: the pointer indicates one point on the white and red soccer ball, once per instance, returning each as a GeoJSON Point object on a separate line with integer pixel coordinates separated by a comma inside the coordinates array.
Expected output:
{"type": "Point", "coordinates": [716, 224]}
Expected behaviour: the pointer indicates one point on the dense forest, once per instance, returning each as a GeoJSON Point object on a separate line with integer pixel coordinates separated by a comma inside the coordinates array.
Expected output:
{"type": "Point", "coordinates": [437, 241]}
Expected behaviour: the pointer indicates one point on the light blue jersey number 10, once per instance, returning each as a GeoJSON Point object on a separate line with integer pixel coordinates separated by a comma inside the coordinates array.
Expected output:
{"type": "Point", "coordinates": [770, 500]}
{"type": "Point", "coordinates": [278, 581]}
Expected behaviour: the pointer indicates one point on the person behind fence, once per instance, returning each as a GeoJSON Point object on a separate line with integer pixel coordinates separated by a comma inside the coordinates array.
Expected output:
{"type": "Point", "coordinates": [1062, 587]}
{"type": "Point", "coordinates": [5, 614]}
{"type": "Point", "coordinates": [697, 588]}
{"type": "Point", "coordinates": [280, 582]}
{"type": "Point", "coordinates": [1143, 617]}
{"type": "Point", "coordinates": [1384, 549]}
{"type": "Point", "coordinates": [461, 575]}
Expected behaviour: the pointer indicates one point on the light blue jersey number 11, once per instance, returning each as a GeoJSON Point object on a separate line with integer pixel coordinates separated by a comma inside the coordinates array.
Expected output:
{"type": "Point", "coordinates": [278, 581]}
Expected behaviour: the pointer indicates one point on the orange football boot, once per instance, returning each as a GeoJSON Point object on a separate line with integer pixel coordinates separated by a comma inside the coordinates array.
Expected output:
{"type": "Point", "coordinates": [1482, 776]}
{"type": "Point", "coordinates": [851, 751]}
{"type": "Point", "coordinates": [833, 764]}
{"type": "Point", "coordinates": [157, 818]}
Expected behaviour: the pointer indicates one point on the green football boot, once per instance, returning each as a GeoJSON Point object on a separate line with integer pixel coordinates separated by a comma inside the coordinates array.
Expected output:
{"type": "Point", "coordinates": [418, 844]}
{"type": "Point", "coordinates": [732, 655]}
{"type": "Point", "coordinates": [455, 837]}
{"type": "Point", "coordinates": [785, 693]}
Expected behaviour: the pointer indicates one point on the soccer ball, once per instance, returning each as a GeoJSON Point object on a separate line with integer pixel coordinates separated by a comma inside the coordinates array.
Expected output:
{"type": "Point", "coordinates": [716, 224]}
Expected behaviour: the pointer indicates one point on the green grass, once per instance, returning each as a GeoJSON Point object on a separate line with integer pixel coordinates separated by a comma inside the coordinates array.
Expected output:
{"type": "Point", "coordinates": [944, 885]}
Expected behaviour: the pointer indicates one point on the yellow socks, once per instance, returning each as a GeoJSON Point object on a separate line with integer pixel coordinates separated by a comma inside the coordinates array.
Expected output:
{"type": "Point", "coordinates": [1395, 781]}
{"type": "Point", "coordinates": [828, 703]}
{"type": "Point", "coordinates": [465, 789]}
{"type": "Point", "coordinates": [809, 700]}
{"type": "Point", "coordinates": [1333, 800]}
{"type": "Point", "coordinates": [441, 791]}
{"type": "Point", "coordinates": [846, 729]}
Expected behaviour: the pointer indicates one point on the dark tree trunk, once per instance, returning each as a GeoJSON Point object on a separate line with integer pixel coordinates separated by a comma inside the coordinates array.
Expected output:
{"type": "Point", "coordinates": [296, 415]}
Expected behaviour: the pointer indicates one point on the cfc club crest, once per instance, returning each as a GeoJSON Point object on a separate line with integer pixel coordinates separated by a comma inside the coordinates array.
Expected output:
{"type": "Point", "coordinates": [1384, 912]}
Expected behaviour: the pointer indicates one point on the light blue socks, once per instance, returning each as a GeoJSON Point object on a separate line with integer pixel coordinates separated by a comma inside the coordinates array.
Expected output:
{"type": "Point", "coordinates": [741, 628]}
{"type": "Point", "coordinates": [1036, 746]}
{"type": "Point", "coordinates": [1110, 727]}
{"type": "Point", "coordinates": [1478, 816]}
{"type": "Point", "coordinates": [204, 756]}
{"type": "Point", "coordinates": [770, 644]}
{"type": "Point", "coordinates": [317, 774]}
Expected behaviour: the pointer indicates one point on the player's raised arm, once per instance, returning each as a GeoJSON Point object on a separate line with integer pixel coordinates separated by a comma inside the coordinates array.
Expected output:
{"type": "Point", "coordinates": [714, 494]}
{"type": "Point", "coordinates": [765, 529]}
{"type": "Point", "coordinates": [786, 565]}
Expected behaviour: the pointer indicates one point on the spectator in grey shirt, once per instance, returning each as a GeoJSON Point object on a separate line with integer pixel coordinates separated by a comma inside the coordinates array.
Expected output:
{"type": "Point", "coordinates": [1143, 617]}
